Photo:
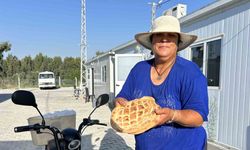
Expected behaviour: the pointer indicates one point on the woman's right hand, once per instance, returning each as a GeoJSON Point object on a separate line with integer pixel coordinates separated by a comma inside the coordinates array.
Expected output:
{"type": "Point", "coordinates": [120, 101]}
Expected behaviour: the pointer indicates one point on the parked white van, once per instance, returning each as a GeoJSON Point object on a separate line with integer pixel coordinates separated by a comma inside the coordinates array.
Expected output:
{"type": "Point", "coordinates": [46, 79]}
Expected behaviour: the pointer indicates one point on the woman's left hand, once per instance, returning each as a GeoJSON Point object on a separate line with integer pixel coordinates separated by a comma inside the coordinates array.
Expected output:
{"type": "Point", "coordinates": [165, 115]}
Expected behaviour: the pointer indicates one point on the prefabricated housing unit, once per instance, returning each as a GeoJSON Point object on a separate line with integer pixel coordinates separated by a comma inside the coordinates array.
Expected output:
{"type": "Point", "coordinates": [108, 72]}
{"type": "Point", "coordinates": [222, 51]}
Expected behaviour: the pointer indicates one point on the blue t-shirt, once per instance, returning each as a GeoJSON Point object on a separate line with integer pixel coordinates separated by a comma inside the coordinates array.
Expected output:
{"type": "Point", "coordinates": [184, 88]}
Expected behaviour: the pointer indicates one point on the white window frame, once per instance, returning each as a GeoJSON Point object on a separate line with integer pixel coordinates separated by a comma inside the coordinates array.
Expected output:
{"type": "Point", "coordinates": [205, 54]}
{"type": "Point", "coordinates": [103, 74]}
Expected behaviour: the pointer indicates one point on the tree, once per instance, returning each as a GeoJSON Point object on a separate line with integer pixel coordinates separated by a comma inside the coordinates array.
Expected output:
{"type": "Point", "coordinates": [98, 53]}
{"type": "Point", "coordinates": [13, 65]}
{"type": "Point", "coordinates": [38, 61]}
{"type": "Point", "coordinates": [27, 68]}
{"type": "Point", "coordinates": [47, 61]}
{"type": "Point", "coordinates": [4, 47]}
{"type": "Point", "coordinates": [56, 65]}
{"type": "Point", "coordinates": [71, 68]}
{"type": "Point", "coordinates": [27, 64]}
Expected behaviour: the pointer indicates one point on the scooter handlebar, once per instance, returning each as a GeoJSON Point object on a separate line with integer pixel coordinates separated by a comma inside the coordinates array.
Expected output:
{"type": "Point", "coordinates": [97, 122]}
{"type": "Point", "coordinates": [28, 128]}
{"type": "Point", "coordinates": [102, 124]}
{"type": "Point", "coordinates": [23, 128]}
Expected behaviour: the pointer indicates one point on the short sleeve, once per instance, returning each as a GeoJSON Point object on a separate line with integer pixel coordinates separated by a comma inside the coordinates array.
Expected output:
{"type": "Point", "coordinates": [194, 95]}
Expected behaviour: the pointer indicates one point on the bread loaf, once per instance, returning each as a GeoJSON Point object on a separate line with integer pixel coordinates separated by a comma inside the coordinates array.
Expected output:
{"type": "Point", "coordinates": [136, 117]}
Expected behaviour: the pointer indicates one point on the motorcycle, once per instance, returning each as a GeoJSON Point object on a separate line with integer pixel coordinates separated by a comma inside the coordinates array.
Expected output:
{"type": "Point", "coordinates": [67, 139]}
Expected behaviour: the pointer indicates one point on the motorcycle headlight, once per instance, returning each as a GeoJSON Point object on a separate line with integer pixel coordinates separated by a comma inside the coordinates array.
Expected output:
{"type": "Point", "coordinates": [74, 144]}
{"type": "Point", "coordinates": [72, 138]}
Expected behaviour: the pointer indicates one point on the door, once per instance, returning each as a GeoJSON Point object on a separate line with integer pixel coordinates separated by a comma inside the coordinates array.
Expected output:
{"type": "Point", "coordinates": [89, 81]}
{"type": "Point", "coordinates": [123, 64]}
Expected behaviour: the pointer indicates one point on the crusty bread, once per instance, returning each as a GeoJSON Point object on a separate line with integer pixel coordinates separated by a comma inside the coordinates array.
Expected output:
{"type": "Point", "coordinates": [136, 117]}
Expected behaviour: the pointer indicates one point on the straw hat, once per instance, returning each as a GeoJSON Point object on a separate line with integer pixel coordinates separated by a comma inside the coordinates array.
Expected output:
{"type": "Point", "coordinates": [165, 24]}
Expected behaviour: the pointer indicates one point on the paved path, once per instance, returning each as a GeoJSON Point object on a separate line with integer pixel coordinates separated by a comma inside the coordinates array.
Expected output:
{"type": "Point", "coordinates": [94, 137]}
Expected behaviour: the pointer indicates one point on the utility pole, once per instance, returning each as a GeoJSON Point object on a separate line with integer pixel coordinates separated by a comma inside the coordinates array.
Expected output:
{"type": "Point", "coordinates": [83, 46]}
{"type": "Point", "coordinates": [154, 8]}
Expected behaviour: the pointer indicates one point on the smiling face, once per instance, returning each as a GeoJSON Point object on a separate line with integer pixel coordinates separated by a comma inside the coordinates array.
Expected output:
{"type": "Point", "coordinates": [164, 45]}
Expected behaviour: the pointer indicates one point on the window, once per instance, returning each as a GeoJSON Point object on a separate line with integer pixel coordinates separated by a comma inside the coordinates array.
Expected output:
{"type": "Point", "coordinates": [213, 67]}
{"type": "Point", "coordinates": [104, 73]}
{"type": "Point", "coordinates": [89, 73]}
{"type": "Point", "coordinates": [207, 56]}
{"type": "Point", "coordinates": [197, 55]}
{"type": "Point", "coordinates": [46, 76]}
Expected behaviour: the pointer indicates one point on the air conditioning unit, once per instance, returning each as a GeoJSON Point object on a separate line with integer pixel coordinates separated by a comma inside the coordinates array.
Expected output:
{"type": "Point", "coordinates": [177, 11]}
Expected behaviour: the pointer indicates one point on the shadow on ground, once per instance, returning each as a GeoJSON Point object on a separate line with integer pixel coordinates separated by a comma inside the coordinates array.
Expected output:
{"type": "Point", "coordinates": [5, 96]}
{"type": "Point", "coordinates": [111, 141]}
{"type": "Point", "coordinates": [19, 145]}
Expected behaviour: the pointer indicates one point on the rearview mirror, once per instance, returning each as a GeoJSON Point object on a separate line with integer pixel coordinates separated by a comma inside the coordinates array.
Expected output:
{"type": "Point", "coordinates": [22, 97]}
{"type": "Point", "coordinates": [102, 100]}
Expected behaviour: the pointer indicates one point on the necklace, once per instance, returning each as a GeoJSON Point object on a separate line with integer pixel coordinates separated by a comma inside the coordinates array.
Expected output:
{"type": "Point", "coordinates": [159, 77]}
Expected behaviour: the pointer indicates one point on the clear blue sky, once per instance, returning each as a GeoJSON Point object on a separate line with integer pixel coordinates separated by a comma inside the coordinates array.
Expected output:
{"type": "Point", "coordinates": [52, 27]}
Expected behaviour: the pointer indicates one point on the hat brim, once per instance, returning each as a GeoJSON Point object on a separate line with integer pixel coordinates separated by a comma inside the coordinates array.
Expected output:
{"type": "Point", "coordinates": [185, 39]}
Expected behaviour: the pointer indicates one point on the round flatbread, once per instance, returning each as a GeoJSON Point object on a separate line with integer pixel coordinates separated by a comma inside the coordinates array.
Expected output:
{"type": "Point", "coordinates": [136, 117]}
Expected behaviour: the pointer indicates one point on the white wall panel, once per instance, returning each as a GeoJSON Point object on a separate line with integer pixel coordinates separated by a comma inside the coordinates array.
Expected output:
{"type": "Point", "coordinates": [233, 99]}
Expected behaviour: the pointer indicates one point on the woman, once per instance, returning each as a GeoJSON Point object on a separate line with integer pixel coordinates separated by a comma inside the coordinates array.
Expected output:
{"type": "Point", "coordinates": [177, 85]}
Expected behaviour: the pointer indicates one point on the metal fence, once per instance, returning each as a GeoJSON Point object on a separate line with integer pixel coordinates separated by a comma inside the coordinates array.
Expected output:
{"type": "Point", "coordinates": [15, 82]}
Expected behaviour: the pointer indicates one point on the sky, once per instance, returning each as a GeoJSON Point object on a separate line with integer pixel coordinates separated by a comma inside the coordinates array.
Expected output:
{"type": "Point", "coordinates": [53, 27]}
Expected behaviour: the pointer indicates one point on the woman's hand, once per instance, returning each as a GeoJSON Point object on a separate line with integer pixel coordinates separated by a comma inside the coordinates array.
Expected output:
{"type": "Point", "coordinates": [187, 118]}
{"type": "Point", "coordinates": [165, 115]}
{"type": "Point", "coordinates": [120, 101]}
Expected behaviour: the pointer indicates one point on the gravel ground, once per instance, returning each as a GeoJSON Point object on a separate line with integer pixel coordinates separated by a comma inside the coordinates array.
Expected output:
{"type": "Point", "coordinates": [94, 137]}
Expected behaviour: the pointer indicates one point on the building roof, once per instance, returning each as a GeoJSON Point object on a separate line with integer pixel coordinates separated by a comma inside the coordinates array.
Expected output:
{"type": "Point", "coordinates": [113, 50]}
{"type": "Point", "coordinates": [207, 10]}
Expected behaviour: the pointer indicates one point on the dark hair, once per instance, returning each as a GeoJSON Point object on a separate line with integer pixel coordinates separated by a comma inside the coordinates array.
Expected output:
{"type": "Point", "coordinates": [179, 38]}
{"type": "Point", "coordinates": [151, 38]}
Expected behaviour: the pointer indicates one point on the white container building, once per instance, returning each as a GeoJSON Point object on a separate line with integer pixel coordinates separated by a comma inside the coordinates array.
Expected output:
{"type": "Point", "coordinates": [222, 51]}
